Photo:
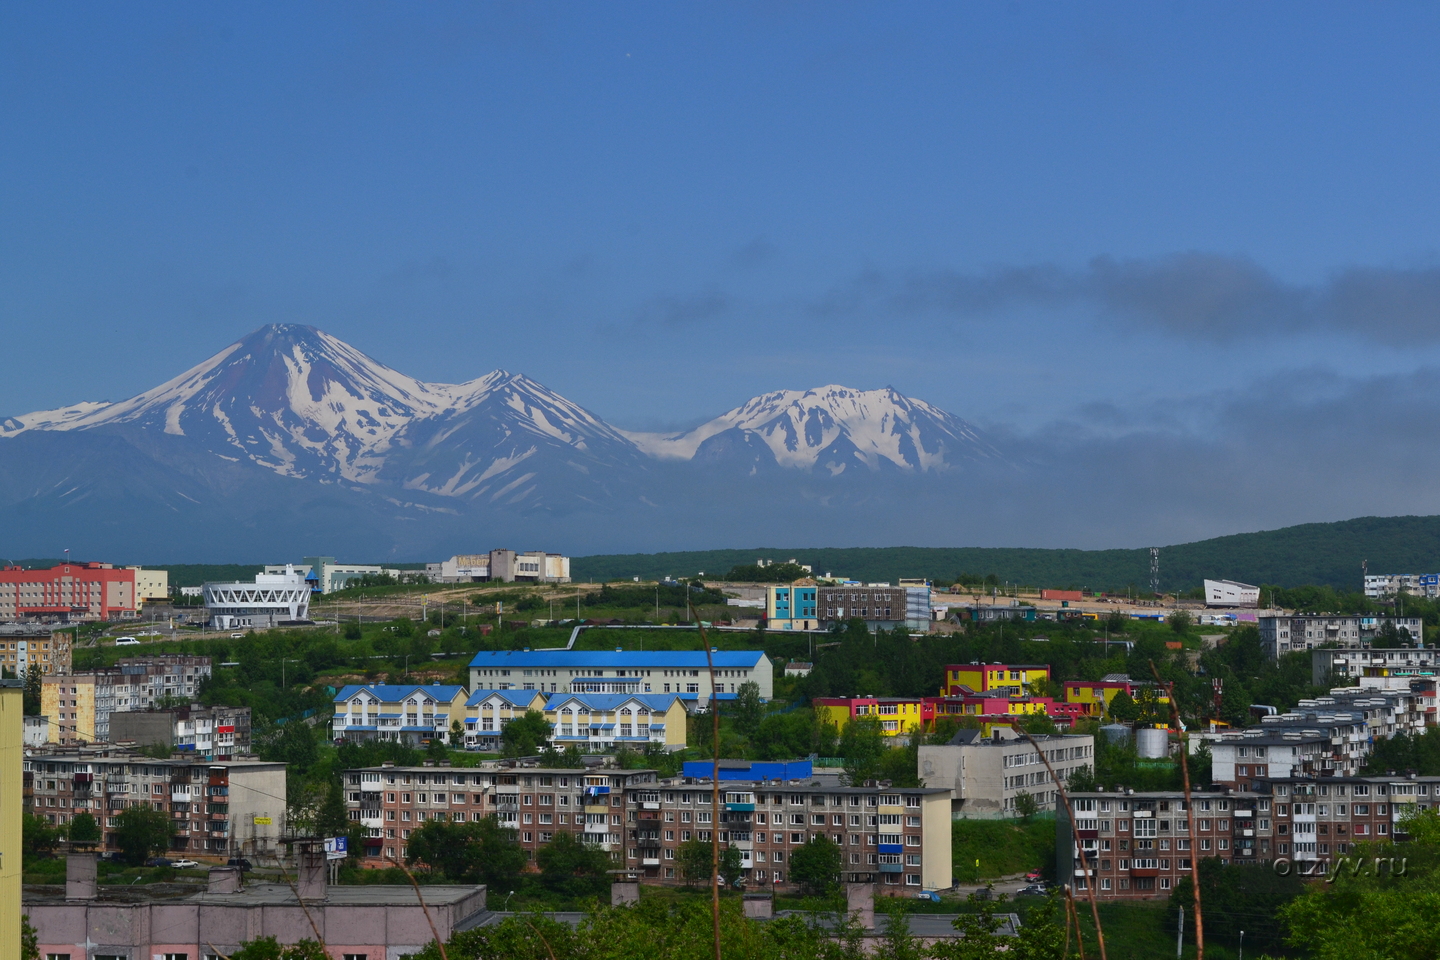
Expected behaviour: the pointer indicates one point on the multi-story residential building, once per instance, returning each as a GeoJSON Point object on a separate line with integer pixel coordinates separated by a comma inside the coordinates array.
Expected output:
{"type": "Point", "coordinates": [27, 645]}
{"type": "Point", "coordinates": [791, 606]}
{"type": "Point", "coordinates": [79, 705]}
{"type": "Point", "coordinates": [881, 606]}
{"type": "Point", "coordinates": [1279, 635]}
{"type": "Point", "coordinates": [408, 713]}
{"type": "Point", "coordinates": [210, 733]}
{"type": "Point", "coordinates": [273, 598]}
{"type": "Point", "coordinates": [1137, 846]}
{"type": "Point", "coordinates": [1317, 819]}
{"type": "Point", "coordinates": [216, 809]}
{"type": "Point", "coordinates": [993, 710]}
{"type": "Point", "coordinates": [901, 834]}
{"type": "Point", "coordinates": [685, 672]}
{"type": "Point", "coordinates": [1008, 679]}
{"type": "Point", "coordinates": [985, 774]}
{"type": "Point", "coordinates": [532, 566]}
{"type": "Point", "coordinates": [79, 591]}
{"type": "Point", "coordinates": [1355, 663]}
{"type": "Point", "coordinates": [1240, 758]}
{"type": "Point", "coordinates": [898, 716]}
{"type": "Point", "coordinates": [392, 802]}
{"type": "Point", "coordinates": [1378, 585]}
{"type": "Point", "coordinates": [604, 722]}
{"type": "Point", "coordinates": [487, 712]}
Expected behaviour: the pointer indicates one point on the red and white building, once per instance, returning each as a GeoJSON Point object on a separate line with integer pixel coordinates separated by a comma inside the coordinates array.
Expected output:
{"type": "Point", "coordinates": [79, 591]}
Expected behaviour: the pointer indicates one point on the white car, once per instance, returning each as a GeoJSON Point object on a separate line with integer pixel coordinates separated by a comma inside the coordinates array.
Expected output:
{"type": "Point", "coordinates": [183, 864]}
{"type": "Point", "coordinates": [237, 636]}
{"type": "Point", "coordinates": [126, 642]}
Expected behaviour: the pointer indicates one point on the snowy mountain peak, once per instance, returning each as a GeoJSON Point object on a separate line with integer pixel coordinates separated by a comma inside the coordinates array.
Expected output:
{"type": "Point", "coordinates": [834, 427]}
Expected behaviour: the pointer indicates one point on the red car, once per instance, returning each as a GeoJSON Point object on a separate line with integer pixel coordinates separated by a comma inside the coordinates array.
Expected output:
{"type": "Point", "coordinates": [1033, 876]}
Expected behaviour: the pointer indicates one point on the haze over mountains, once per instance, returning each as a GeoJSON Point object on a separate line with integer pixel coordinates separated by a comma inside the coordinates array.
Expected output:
{"type": "Point", "coordinates": [291, 437]}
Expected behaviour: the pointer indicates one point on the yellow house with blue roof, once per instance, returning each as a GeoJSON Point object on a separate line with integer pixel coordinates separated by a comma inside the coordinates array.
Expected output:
{"type": "Point", "coordinates": [408, 713]}
{"type": "Point", "coordinates": [602, 722]}
{"type": "Point", "coordinates": [487, 712]}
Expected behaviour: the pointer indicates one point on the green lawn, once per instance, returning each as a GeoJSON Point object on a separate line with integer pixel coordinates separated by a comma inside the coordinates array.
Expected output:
{"type": "Point", "coordinates": [1002, 847]}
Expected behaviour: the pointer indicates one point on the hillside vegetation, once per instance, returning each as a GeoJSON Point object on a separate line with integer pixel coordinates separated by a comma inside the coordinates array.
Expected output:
{"type": "Point", "coordinates": [1313, 553]}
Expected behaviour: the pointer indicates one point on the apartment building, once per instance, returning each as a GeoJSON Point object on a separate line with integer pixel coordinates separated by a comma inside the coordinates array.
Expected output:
{"type": "Point", "coordinates": [403, 712]}
{"type": "Point", "coordinates": [391, 803]}
{"type": "Point", "coordinates": [79, 705]}
{"type": "Point", "coordinates": [1356, 663]}
{"type": "Point", "coordinates": [27, 645]}
{"type": "Point", "coordinates": [899, 836]}
{"type": "Point", "coordinates": [1280, 635]}
{"type": "Point", "coordinates": [898, 716]}
{"type": "Point", "coordinates": [210, 733]}
{"type": "Point", "coordinates": [79, 591]}
{"type": "Point", "coordinates": [1007, 679]}
{"type": "Point", "coordinates": [216, 809]}
{"type": "Point", "coordinates": [881, 606]}
{"type": "Point", "coordinates": [685, 672]}
{"type": "Point", "coordinates": [1315, 819]}
{"type": "Point", "coordinates": [1136, 845]}
{"type": "Point", "coordinates": [487, 712]}
{"type": "Point", "coordinates": [1241, 758]}
{"type": "Point", "coordinates": [604, 722]}
{"type": "Point", "coordinates": [984, 775]}
{"type": "Point", "coordinates": [1378, 585]}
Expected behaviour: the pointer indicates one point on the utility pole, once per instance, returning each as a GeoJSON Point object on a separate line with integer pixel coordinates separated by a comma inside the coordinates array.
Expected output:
{"type": "Point", "coordinates": [1180, 934]}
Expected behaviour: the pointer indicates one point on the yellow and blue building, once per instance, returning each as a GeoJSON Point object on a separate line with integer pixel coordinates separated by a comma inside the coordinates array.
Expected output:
{"type": "Point", "coordinates": [792, 606]}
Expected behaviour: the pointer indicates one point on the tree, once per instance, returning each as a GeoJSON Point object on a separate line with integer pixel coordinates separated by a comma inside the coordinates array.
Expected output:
{"type": "Point", "coordinates": [1026, 805]}
{"type": "Point", "coordinates": [142, 832]}
{"type": "Point", "coordinates": [862, 745]}
{"type": "Point", "coordinates": [694, 861]}
{"type": "Point", "coordinates": [1123, 709]}
{"type": "Point", "coordinates": [1234, 895]}
{"type": "Point", "coordinates": [1179, 621]}
{"type": "Point", "coordinates": [29, 939]}
{"type": "Point", "coordinates": [731, 866]}
{"type": "Point", "coordinates": [749, 710]}
{"type": "Point", "coordinates": [572, 867]}
{"type": "Point", "coordinates": [268, 948]}
{"type": "Point", "coordinates": [33, 684]}
{"type": "Point", "coordinates": [293, 744]}
{"type": "Point", "coordinates": [457, 734]}
{"type": "Point", "coordinates": [524, 736]}
{"type": "Point", "coordinates": [816, 866]}
{"type": "Point", "coordinates": [38, 837]}
{"type": "Point", "coordinates": [480, 851]}
{"type": "Point", "coordinates": [84, 829]}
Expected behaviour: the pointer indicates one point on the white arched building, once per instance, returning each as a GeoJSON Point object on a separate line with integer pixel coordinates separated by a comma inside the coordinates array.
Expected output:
{"type": "Point", "coordinates": [271, 599]}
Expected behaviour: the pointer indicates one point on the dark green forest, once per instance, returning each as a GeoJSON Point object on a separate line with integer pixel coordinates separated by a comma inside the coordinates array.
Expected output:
{"type": "Point", "coordinates": [1326, 554]}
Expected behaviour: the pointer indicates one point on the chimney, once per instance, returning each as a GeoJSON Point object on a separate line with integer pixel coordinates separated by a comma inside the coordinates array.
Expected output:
{"type": "Point", "coordinates": [80, 876]}
{"type": "Point", "coordinates": [312, 868]}
{"type": "Point", "coordinates": [224, 880]}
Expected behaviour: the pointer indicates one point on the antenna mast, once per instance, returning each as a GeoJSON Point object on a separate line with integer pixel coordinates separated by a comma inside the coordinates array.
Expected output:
{"type": "Point", "coordinates": [1155, 570]}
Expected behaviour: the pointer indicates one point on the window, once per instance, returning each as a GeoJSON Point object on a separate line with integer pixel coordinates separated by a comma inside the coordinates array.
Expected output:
{"type": "Point", "coordinates": [353, 956]}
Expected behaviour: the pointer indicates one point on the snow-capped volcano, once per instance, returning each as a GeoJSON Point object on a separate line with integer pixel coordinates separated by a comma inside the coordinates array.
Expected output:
{"type": "Point", "coordinates": [833, 428]}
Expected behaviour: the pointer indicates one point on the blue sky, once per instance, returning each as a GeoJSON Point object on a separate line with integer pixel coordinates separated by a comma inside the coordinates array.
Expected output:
{"type": "Point", "coordinates": [1088, 219]}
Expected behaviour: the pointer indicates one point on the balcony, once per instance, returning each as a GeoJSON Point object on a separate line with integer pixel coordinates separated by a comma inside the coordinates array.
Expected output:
{"type": "Point", "coordinates": [649, 861]}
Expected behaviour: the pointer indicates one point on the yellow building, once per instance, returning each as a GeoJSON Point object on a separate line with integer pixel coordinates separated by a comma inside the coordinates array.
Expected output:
{"type": "Point", "coordinates": [23, 647]}
{"type": "Point", "coordinates": [487, 712]}
{"type": "Point", "coordinates": [12, 755]}
{"type": "Point", "coordinates": [985, 677]}
{"type": "Point", "coordinates": [1095, 695]}
{"type": "Point", "coordinates": [898, 716]}
{"type": "Point", "coordinates": [602, 722]}
{"type": "Point", "coordinates": [71, 704]}
{"type": "Point", "coordinates": [151, 586]}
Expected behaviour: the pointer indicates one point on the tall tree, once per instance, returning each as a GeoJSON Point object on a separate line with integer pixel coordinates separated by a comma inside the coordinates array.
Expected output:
{"type": "Point", "coordinates": [525, 736]}
{"type": "Point", "coordinates": [572, 867]}
{"type": "Point", "coordinates": [142, 832]}
{"type": "Point", "coordinates": [862, 746]}
{"type": "Point", "coordinates": [816, 866]}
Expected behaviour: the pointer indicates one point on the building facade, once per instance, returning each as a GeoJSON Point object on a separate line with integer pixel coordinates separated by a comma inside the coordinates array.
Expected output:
{"type": "Point", "coordinates": [79, 705]}
{"type": "Point", "coordinates": [488, 711]}
{"type": "Point", "coordinates": [1357, 663]}
{"type": "Point", "coordinates": [27, 645]}
{"type": "Point", "coordinates": [604, 722]}
{"type": "Point", "coordinates": [210, 733]}
{"type": "Point", "coordinates": [272, 599]}
{"type": "Point", "coordinates": [533, 566]}
{"type": "Point", "coordinates": [77, 591]}
{"type": "Point", "coordinates": [601, 671]}
{"type": "Point", "coordinates": [1378, 586]}
{"type": "Point", "coordinates": [985, 775]}
{"type": "Point", "coordinates": [1231, 593]}
{"type": "Point", "coordinates": [1009, 678]}
{"type": "Point", "coordinates": [216, 809]}
{"type": "Point", "coordinates": [897, 716]}
{"type": "Point", "coordinates": [406, 713]}
{"type": "Point", "coordinates": [1279, 635]}
{"type": "Point", "coordinates": [880, 606]}
{"type": "Point", "coordinates": [12, 756]}
{"type": "Point", "coordinates": [792, 606]}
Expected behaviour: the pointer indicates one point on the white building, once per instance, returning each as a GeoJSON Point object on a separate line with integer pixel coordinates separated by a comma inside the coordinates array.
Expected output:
{"type": "Point", "coordinates": [985, 774]}
{"type": "Point", "coordinates": [533, 566]}
{"type": "Point", "coordinates": [273, 598]}
{"type": "Point", "coordinates": [326, 574]}
{"type": "Point", "coordinates": [1280, 635]}
{"type": "Point", "coordinates": [683, 672]}
{"type": "Point", "coordinates": [1230, 593]}
{"type": "Point", "coordinates": [1378, 585]}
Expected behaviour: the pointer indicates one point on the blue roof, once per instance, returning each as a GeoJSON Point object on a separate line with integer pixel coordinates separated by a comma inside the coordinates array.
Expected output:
{"type": "Point", "coordinates": [518, 698]}
{"type": "Point", "coordinates": [656, 702]}
{"type": "Point", "coordinates": [395, 692]}
{"type": "Point", "coordinates": [660, 659]}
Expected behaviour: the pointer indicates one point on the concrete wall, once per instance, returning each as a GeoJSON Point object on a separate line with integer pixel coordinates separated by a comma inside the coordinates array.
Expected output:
{"type": "Point", "coordinates": [937, 862]}
{"type": "Point", "coordinates": [143, 727]}
{"type": "Point", "coordinates": [12, 753]}
{"type": "Point", "coordinates": [257, 791]}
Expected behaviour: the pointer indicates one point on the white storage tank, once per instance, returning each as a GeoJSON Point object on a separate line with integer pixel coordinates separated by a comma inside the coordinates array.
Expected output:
{"type": "Point", "coordinates": [1151, 743]}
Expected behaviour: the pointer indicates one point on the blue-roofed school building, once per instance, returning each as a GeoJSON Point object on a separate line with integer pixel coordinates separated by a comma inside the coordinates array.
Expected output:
{"type": "Point", "coordinates": [603, 722]}
{"type": "Point", "coordinates": [487, 712]}
{"type": "Point", "coordinates": [409, 713]}
{"type": "Point", "coordinates": [623, 672]}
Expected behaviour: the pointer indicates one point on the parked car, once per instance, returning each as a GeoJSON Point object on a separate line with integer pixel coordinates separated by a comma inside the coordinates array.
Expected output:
{"type": "Point", "coordinates": [159, 862]}
{"type": "Point", "coordinates": [240, 862]}
{"type": "Point", "coordinates": [1033, 876]}
{"type": "Point", "coordinates": [931, 895]}
{"type": "Point", "coordinates": [1034, 890]}
{"type": "Point", "coordinates": [183, 864]}
{"type": "Point", "coordinates": [126, 642]}
{"type": "Point", "coordinates": [237, 636]}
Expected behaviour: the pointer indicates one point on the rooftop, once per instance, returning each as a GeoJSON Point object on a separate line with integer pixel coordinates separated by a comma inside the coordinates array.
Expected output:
{"type": "Point", "coordinates": [691, 659]}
